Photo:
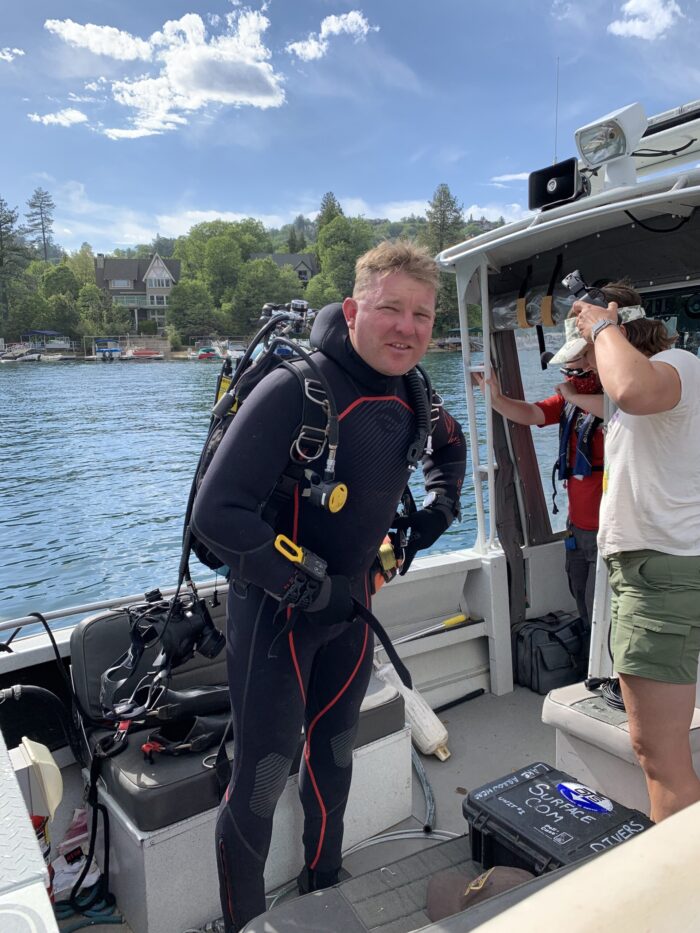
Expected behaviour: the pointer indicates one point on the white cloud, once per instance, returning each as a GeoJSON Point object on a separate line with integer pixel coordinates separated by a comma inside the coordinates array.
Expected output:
{"type": "Point", "coordinates": [102, 40]}
{"type": "Point", "coordinates": [104, 225]}
{"type": "Point", "coordinates": [189, 69]}
{"type": "Point", "coordinates": [68, 117]}
{"type": "Point", "coordinates": [107, 225]}
{"type": "Point", "coordinates": [178, 224]}
{"type": "Point", "coordinates": [515, 176]}
{"type": "Point", "coordinates": [509, 212]}
{"type": "Point", "coordinates": [315, 45]}
{"type": "Point", "coordinates": [9, 55]}
{"type": "Point", "coordinates": [449, 155]}
{"type": "Point", "coordinates": [397, 210]}
{"type": "Point", "coordinates": [389, 210]}
{"type": "Point", "coordinates": [81, 98]}
{"type": "Point", "coordinates": [575, 14]}
{"type": "Point", "coordinates": [646, 19]}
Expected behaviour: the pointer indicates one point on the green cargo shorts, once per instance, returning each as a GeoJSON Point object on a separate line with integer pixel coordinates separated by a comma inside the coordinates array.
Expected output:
{"type": "Point", "coordinates": [655, 617]}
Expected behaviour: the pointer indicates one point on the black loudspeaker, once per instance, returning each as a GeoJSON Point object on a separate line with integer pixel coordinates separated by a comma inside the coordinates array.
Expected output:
{"type": "Point", "coordinates": [556, 184]}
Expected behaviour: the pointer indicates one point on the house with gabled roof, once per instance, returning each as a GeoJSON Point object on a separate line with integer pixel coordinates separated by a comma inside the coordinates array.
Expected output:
{"type": "Point", "coordinates": [141, 285]}
{"type": "Point", "coordinates": [304, 264]}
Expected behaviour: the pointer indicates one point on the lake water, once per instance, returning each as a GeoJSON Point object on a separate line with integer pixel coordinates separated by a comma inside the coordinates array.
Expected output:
{"type": "Point", "coordinates": [96, 463]}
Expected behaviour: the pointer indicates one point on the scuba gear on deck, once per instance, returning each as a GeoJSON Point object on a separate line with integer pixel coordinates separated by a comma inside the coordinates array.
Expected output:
{"type": "Point", "coordinates": [182, 626]}
{"type": "Point", "coordinates": [191, 734]}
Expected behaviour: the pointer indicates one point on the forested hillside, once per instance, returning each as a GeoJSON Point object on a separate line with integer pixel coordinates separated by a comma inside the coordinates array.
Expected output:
{"type": "Point", "coordinates": [222, 287]}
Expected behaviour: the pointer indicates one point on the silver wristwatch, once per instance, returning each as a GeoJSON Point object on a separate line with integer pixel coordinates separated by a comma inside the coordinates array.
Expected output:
{"type": "Point", "coordinates": [600, 325]}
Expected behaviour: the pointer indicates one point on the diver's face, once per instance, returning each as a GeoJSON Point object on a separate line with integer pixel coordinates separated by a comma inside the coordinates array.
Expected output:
{"type": "Point", "coordinates": [391, 322]}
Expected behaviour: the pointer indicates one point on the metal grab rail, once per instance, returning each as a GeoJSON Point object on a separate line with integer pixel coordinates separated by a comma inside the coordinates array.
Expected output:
{"type": "Point", "coordinates": [484, 540]}
{"type": "Point", "coordinates": [204, 589]}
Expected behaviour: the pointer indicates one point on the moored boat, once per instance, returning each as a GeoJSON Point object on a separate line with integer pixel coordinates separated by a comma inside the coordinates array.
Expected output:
{"type": "Point", "coordinates": [143, 354]}
{"type": "Point", "coordinates": [21, 354]}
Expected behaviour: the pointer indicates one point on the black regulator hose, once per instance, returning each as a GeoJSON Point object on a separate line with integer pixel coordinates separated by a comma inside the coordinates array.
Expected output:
{"type": "Point", "coordinates": [421, 406]}
{"type": "Point", "coordinates": [57, 706]}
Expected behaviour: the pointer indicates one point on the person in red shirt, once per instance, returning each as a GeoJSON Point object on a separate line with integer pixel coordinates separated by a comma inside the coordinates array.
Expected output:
{"type": "Point", "coordinates": [577, 407]}
{"type": "Point", "coordinates": [575, 411]}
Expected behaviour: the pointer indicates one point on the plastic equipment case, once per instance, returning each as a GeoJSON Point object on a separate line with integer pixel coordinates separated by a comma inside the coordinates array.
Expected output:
{"type": "Point", "coordinates": [539, 819]}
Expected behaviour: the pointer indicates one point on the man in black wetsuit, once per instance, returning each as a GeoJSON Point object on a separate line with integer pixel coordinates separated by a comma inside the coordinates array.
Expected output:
{"type": "Point", "coordinates": [317, 673]}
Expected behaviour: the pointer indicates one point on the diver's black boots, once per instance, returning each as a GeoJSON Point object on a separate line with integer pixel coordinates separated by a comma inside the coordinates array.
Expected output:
{"type": "Point", "coordinates": [309, 880]}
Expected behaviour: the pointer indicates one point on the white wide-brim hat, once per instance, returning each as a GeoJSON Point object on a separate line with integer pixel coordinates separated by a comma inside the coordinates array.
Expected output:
{"type": "Point", "coordinates": [575, 345]}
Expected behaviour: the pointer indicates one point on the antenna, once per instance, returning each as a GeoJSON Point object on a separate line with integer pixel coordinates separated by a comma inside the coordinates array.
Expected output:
{"type": "Point", "coordinates": [556, 115]}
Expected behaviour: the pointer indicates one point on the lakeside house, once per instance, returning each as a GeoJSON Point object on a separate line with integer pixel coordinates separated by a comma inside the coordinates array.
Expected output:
{"type": "Point", "coordinates": [304, 264]}
{"type": "Point", "coordinates": [142, 285]}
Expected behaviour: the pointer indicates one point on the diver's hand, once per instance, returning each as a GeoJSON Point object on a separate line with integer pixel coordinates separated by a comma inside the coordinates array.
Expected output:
{"type": "Point", "coordinates": [424, 526]}
{"type": "Point", "coordinates": [334, 602]}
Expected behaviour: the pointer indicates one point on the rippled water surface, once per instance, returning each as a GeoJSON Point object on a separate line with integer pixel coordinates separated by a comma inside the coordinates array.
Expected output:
{"type": "Point", "coordinates": [96, 462]}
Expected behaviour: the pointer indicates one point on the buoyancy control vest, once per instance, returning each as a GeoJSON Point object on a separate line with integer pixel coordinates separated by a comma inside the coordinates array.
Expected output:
{"type": "Point", "coordinates": [585, 432]}
{"type": "Point", "coordinates": [318, 429]}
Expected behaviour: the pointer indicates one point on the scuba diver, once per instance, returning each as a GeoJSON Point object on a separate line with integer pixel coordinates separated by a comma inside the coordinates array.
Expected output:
{"type": "Point", "coordinates": [298, 654]}
{"type": "Point", "coordinates": [577, 407]}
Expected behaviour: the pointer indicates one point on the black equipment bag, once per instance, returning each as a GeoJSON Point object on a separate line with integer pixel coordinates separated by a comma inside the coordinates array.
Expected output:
{"type": "Point", "coordinates": [550, 652]}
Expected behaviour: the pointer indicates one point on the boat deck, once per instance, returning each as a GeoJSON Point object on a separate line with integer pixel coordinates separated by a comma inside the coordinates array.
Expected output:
{"type": "Point", "coordinates": [488, 736]}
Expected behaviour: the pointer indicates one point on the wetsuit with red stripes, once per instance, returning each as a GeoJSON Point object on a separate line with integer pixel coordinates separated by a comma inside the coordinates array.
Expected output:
{"type": "Point", "coordinates": [315, 677]}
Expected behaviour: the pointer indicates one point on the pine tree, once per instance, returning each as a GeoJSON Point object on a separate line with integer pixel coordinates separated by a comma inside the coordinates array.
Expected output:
{"type": "Point", "coordinates": [445, 227]}
{"type": "Point", "coordinates": [302, 227]}
{"type": "Point", "coordinates": [292, 244]}
{"type": "Point", "coordinates": [40, 219]}
{"type": "Point", "coordinates": [330, 209]}
{"type": "Point", "coordinates": [445, 220]}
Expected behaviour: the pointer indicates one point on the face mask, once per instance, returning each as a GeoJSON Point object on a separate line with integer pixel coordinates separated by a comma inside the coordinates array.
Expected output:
{"type": "Point", "coordinates": [586, 384]}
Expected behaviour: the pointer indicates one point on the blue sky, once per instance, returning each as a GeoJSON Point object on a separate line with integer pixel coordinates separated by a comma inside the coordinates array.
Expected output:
{"type": "Point", "coordinates": [145, 118]}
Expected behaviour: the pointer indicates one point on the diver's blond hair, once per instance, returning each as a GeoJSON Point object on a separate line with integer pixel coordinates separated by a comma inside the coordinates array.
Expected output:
{"type": "Point", "coordinates": [395, 256]}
